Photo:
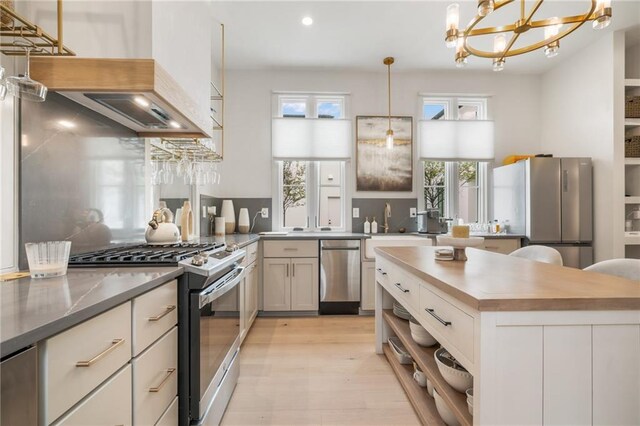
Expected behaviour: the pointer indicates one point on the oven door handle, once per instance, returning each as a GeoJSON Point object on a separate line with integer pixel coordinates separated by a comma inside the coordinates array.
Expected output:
{"type": "Point", "coordinates": [214, 291]}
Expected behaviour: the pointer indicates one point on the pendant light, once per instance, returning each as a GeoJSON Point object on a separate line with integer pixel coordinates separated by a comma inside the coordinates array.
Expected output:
{"type": "Point", "coordinates": [388, 61]}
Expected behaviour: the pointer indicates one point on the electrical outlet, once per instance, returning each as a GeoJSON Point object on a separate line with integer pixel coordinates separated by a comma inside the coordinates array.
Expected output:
{"type": "Point", "coordinates": [413, 212]}
{"type": "Point", "coordinates": [356, 212]}
{"type": "Point", "coordinates": [265, 213]}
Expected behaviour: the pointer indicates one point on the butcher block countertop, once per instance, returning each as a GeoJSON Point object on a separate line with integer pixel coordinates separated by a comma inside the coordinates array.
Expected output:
{"type": "Point", "coordinates": [495, 282]}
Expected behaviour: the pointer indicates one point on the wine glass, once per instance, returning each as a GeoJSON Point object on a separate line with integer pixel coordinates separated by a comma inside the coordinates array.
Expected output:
{"type": "Point", "coordinates": [24, 87]}
{"type": "Point", "coordinates": [3, 87]}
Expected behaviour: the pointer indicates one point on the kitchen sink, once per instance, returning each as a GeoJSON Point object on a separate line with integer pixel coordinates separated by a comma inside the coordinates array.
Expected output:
{"type": "Point", "coordinates": [393, 241]}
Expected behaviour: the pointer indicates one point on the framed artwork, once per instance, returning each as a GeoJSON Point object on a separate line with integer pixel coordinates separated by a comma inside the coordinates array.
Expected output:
{"type": "Point", "coordinates": [379, 168]}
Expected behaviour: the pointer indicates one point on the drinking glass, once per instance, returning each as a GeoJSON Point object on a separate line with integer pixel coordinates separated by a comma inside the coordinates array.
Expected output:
{"type": "Point", "coordinates": [3, 86]}
{"type": "Point", "coordinates": [24, 87]}
{"type": "Point", "coordinates": [48, 259]}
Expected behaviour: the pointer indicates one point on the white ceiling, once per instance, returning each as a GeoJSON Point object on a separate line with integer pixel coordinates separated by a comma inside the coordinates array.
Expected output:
{"type": "Point", "coordinates": [357, 35]}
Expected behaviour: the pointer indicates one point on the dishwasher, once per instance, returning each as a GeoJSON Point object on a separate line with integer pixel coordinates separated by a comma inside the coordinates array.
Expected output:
{"type": "Point", "coordinates": [339, 277]}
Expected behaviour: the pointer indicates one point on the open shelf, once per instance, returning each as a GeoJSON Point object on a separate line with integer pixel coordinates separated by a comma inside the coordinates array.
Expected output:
{"type": "Point", "coordinates": [632, 161]}
{"type": "Point", "coordinates": [631, 123]}
{"type": "Point", "coordinates": [456, 401]}
{"type": "Point", "coordinates": [423, 404]}
{"type": "Point", "coordinates": [632, 200]}
{"type": "Point", "coordinates": [632, 82]}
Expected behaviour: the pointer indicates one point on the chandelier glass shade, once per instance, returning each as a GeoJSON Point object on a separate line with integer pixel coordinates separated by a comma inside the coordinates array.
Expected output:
{"type": "Point", "coordinates": [505, 36]}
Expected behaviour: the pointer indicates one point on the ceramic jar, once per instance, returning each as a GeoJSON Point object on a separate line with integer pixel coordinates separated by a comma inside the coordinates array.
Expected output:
{"type": "Point", "coordinates": [243, 221]}
{"type": "Point", "coordinates": [229, 215]}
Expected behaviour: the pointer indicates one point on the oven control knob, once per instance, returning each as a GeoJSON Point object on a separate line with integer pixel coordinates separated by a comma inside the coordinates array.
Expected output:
{"type": "Point", "coordinates": [199, 259]}
{"type": "Point", "coordinates": [231, 248]}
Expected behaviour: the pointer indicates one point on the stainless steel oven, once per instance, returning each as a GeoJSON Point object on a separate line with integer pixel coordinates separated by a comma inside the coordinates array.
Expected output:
{"type": "Point", "coordinates": [214, 329]}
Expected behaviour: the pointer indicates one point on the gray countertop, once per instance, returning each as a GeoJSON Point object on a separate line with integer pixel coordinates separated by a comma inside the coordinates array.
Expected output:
{"type": "Point", "coordinates": [242, 240]}
{"type": "Point", "coordinates": [33, 310]}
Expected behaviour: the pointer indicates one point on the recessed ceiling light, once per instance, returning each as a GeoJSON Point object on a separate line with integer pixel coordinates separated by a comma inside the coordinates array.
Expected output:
{"type": "Point", "coordinates": [66, 124]}
{"type": "Point", "coordinates": [175, 124]}
{"type": "Point", "coordinates": [141, 101]}
{"type": "Point", "coordinates": [307, 21]}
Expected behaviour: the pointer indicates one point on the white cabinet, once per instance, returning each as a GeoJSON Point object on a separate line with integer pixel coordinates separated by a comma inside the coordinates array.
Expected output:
{"type": "Point", "coordinates": [276, 286]}
{"type": "Point", "coordinates": [87, 371]}
{"type": "Point", "coordinates": [368, 291]}
{"type": "Point", "coordinates": [108, 405]}
{"type": "Point", "coordinates": [304, 284]}
{"type": "Point", "coordinates": [250, 308]}
{"type": "Point", "coordinates": [501, 245]}
{"type": "Point", "coordinates": [290, 284]}
{"type": "Point", "coordinates": [248, 289]}
{"type": "Point", "coordinates": [76, 361]}
{"type": "Point", "coordinates": [155, 379]}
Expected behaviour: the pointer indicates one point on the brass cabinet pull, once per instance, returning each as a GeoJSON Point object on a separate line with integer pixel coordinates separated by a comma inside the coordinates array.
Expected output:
{"type": "Point", "coordinates": [290, 249]}
{"type": "Point", "coordinates": [167, 310]}
{"type": "Point", "coordinates": [114, 344]}
{"type": "Point", "coordinates": [170, 371]}
{"type": "Point", "coordinates": [287, 269]}
{"type": "Point", "coordinates": [294, 270]}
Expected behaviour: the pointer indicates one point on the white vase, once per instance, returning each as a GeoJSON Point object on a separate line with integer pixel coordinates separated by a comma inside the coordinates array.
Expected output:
{"type": "Point", "coordinates": [229, 216]}
{"type": "Point", "coordinates": [243, 221]}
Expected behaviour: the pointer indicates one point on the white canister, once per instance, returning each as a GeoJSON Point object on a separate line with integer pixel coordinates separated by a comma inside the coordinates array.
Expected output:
{"type": "Point", "coordinates": [229, 214]}
{"type": "Point", "coordinates": [243, 221]}
{"type": "Point", "coordinates": [219, 226]}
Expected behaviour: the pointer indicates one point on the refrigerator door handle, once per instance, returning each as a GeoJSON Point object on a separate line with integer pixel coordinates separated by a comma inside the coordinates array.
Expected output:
{"type": "Point", "coordinates": [565, 180]}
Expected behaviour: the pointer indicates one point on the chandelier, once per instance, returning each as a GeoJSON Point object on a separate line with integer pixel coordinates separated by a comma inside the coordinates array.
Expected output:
{"type": "Point", "coordinates": [599, 13]}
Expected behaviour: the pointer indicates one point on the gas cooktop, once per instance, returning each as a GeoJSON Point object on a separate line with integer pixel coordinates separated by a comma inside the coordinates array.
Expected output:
{"type": "Point", "coordinates": [142, 255]}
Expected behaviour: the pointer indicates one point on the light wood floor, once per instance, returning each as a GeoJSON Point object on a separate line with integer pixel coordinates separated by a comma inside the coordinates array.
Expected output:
{"type": "Point", "coordinates": [316, 371]}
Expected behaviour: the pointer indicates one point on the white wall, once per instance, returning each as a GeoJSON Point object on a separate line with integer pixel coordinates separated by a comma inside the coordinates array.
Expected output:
{"type": "Point", "coordinates": [632, 62]}
{"type": "Point", "coordinates": [247, 166]}
{"type": "Point", "coordinates": [8, 217]}
{"type": "Point", "coordinates": [102, 29]}
{"type": "Point", "coordinates": [577, 119]}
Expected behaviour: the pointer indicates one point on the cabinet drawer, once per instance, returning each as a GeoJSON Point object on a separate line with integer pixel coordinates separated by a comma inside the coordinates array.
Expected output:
{"type": "Point", "coordinates": [78, 360]}
{"type": "Point", "coordinates": [402, 286]}
{"type": "Point", "coordinates": [170, 417]}
{"type": "Point", "coordinates": [155, 379]}
{"type": "Point", "coordinates": [296, 248]}
{"type": "Point", "coordinates": [154, 313]}
{"type": "Point", "coordinates": [504, 246]}
{"type": "Point", "coordinates": [109, 405]}
{"type": "Point", "coordinates": [450, 322]}
{"type": "Point", "coordinates": [252, 254]}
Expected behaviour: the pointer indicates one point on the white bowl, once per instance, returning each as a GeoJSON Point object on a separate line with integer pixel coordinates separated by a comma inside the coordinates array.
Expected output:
{"type": "Point", "coordinates": [430, 388]}
{"type": "Point", "coordinates": [454, 374]}
{"type": "Point", "coordinates": [420, 335]}
{"type": "Point", "coordinates": [469, 393]}
{"type": "Point", "coordinates": [444, 411]}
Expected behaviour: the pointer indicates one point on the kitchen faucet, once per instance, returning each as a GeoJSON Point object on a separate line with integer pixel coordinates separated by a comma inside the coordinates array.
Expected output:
{"type": "Point", "coordinates": [387, 215]}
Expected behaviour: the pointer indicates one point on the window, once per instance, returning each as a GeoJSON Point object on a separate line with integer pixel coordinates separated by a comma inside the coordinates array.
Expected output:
{"type": "Point", "coordinates": [456, 188]}
{"type": "Point", "coordinates": [311, 194]}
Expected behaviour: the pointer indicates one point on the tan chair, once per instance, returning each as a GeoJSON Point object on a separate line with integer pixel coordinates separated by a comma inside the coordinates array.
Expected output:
{"type": "Point", "coordinates": [625, 268]}
{"type": "Point", "coordinates": [542, 254]}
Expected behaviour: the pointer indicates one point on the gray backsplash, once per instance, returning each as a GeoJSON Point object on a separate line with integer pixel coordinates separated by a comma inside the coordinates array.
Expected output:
{"type": "Point", "coordinates": [375, 207]}
{"type": "Point", "coordinates": [84, 184]}
{"type": "Point", "coordinates": [253, 204]}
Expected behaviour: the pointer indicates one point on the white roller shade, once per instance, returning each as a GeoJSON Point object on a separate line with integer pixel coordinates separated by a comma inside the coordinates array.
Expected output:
{"type": "Point", "coordinates": [453, 140]}
{"type": "Point", "coordinates": [311, 139]}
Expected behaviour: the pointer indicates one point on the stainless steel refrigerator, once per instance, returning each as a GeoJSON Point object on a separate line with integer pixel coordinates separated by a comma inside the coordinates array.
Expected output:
{"type": "Point", "coordinates": [550, 201]}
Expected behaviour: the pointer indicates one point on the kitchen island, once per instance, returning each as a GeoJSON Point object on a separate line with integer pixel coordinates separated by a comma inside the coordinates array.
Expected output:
{"type": "Point", "coordinates": [545, 344]}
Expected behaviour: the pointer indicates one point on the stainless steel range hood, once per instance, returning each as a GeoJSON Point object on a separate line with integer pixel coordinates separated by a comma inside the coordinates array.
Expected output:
{"type": "Point", "coordinates": [137, 93]}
